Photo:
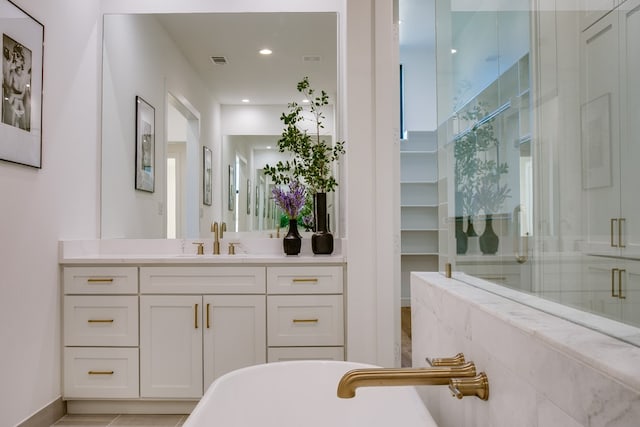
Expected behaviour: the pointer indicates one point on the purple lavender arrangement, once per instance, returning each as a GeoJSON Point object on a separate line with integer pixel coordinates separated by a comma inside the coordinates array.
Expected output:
{"type": "Point", "coordinates": [292, 201]}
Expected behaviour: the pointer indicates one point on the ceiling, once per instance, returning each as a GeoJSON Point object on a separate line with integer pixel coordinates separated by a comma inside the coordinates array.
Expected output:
{"type": "Point", "coordinates": [293, 37]}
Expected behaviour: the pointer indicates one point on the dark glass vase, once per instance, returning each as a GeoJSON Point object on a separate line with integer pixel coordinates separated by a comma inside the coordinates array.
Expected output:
{"type": "Point", "coordinates": [292, 242]}
{"type": "Point", "coordinates": [489, 240]}
{"type": "Point", "coordinates": [322, 239]}
{"type": "Point", "coordinates": [461, 236]}
{"type": "Point", "coordinates": [471, 232]}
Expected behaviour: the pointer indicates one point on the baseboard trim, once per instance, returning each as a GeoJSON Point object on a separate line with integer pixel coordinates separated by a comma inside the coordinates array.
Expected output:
{"type": "Point", "coordinates": [47, 415]}
{"type": "Point", "coordinates": [130, 406]}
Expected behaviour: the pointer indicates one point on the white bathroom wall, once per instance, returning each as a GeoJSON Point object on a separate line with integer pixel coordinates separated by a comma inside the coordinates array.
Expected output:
{"type": "Point", "coordinates": [419, 69]}
{"type": "Point", "coordinates": [543, 371]}
{"type": "Point", "coordinates": [39, 207]}
{"type": "Point", "coordinates": [62, 200]}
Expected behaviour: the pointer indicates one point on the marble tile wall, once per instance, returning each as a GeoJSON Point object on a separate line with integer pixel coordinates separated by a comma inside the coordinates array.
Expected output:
{"type": "Point", "coordinates": [543, 371]}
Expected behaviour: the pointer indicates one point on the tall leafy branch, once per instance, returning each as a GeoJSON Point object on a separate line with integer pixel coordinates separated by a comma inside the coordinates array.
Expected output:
{"type": "Point", "coordinates": [312, 156]}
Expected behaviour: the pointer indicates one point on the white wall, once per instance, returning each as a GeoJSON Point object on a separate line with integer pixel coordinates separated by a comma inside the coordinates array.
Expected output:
{"type": "Point", "coordinates": [419, 69]}
{"type": "Point", "coordinates": [61, 201]}
{"type": "Point", "coordinates": [39, 207]}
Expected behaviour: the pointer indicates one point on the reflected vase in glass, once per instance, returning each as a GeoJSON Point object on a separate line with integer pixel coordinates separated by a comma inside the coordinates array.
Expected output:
{"type": "Point", "coordinates": [489, 239]}
{"type": "Point", "coordinates": [461, 236]}
{"type": "Point", "coordinates": [292, 242]}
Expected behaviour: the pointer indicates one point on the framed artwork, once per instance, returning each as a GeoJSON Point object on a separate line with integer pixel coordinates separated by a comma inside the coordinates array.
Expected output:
{"type": "Point", "coordinates": [207, 175]}
{"type": "Point", "coordinates": [596, 142]}
{"type": "Point", "coordinates": [232, 188]}
{"type": "Point", "coordinates": [145, 145]}
{"type": "Point", "coordinates": [21, 108]}
{"type": "Point", "coordinates": [248, 197]}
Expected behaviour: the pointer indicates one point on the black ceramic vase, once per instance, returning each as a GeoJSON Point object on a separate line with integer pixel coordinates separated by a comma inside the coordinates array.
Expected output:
{"type": "Point", "coordinates": [292, 242]}
{"type": "Point", "coordinates": [322, 239]}
{"type": "Point", "coordinates": [489, 240]}
{"type": "Point", "coordinates": [461, 236]}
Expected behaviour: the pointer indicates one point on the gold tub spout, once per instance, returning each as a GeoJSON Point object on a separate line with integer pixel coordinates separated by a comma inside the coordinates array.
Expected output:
{"type": "Point", "coordinates": [378, 377]}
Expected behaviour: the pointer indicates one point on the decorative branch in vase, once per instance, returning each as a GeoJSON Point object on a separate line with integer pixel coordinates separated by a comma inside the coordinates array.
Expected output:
{"type": "Point", "coordinates": [312, 159]}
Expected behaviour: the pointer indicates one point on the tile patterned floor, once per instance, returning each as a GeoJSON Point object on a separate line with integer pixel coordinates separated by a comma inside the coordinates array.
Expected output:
{"type": "Point", "coordinates": [77, 420]}
{"type": "Point", "coordinates": [80, 420]}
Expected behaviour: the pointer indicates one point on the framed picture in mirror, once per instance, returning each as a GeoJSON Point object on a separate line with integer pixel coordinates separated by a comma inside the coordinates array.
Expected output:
{"type": "Point", "coordinates": [232, 188]}
{"type": "Point", "coordinates": [145, 145]}
{"type": "Point", "coordinates": [21, 108]}
{"type": "Point", "coordinates": [207, 176]}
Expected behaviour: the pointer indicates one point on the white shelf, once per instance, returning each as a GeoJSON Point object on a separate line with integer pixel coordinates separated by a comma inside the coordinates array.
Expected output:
{"type": "Point", "coordinates": [419, 231]}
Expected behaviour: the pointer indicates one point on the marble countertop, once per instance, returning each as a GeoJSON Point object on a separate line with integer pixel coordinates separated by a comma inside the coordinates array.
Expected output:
{"type": "Point", "coordinates": [183, 251]}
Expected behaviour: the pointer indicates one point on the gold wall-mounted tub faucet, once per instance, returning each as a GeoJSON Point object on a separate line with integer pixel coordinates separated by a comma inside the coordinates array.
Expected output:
{"type": "Point", "coordinates": [377, 377]}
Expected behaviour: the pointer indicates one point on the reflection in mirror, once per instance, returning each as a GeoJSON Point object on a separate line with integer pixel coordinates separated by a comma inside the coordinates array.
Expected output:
{"type": "Point", "coordinates": [197, 70]}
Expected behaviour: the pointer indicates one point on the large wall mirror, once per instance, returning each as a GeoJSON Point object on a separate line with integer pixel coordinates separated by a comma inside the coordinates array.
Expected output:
{"type": "Point", "coordinates": [207, 85]}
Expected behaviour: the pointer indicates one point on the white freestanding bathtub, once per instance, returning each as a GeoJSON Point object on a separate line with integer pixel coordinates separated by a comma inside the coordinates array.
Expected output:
{"type": "Point", "coordinates": [303, 393]}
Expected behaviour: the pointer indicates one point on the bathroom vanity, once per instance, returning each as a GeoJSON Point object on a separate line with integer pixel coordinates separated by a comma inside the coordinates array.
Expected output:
{"type": "Point", "coordinates": [142, 327]}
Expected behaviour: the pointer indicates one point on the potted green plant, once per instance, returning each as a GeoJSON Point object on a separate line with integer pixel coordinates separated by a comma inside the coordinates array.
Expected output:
{"type": "Point", "coordinates": [312, 158]}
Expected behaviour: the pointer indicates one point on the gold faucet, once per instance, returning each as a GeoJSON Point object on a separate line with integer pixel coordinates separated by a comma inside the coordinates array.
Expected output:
{"type": "Point", "coordinates": [376, 377]}
{"type": "Point", "coordinates": [223, 228]}
{"type": "Point", "coordinates": [216, 238]}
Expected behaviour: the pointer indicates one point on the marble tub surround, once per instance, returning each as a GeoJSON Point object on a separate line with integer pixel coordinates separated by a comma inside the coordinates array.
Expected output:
{"type": "Point", "coordinates": [543, 370]}
{"type": "Point", "coordinates": [247, 249]}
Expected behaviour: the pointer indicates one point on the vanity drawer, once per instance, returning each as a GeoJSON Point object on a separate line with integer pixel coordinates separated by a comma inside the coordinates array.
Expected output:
{"type": "Point", "coordinates": [305, 280]}
{"type": "Point", "coordinates": [305, 320]}
{"type": "Point", "coordinates": [100, 320]}
{"type": "Point", "coordinates": [202, 280]}
{"type": "Point", "coordinates": [284, 354]}
{"type": "Point", "coordinates": [100, 372]}
{"type": "Point", "coordinates": [100, 280]}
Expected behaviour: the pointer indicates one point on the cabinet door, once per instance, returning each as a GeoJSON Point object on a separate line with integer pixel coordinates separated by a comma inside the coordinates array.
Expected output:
{"type": "Point", "coordinates": [171, 346]}
{"type": "Point", "coordinates": [601, 281]}
{"type": "Point", "coordinates": [629, 291]}
{"type": "Point", "coordinates": [629, 15]}
{"type": "Point", "coordinates": [234, 333]}
{"type": "Point", "coordinates": [600, 135]}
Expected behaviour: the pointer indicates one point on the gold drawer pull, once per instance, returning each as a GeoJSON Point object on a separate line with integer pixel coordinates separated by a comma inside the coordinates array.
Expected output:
{"type": "Point", "coordinates": [613, 282]}
{"type": "Point", "coordinates": [306, 280]}
{"type": "Point", "coordinates": [612, 223]}
{"type": "Point", "coordinates": [305, 320]}
{"type": "Point", "coordinates": [208, 322]}
{"type": "Point", "coordinates": [195, 315]}
{"type": "Point", "coordinates": [620, 272]}
{"type": "Point", "coordinates": [100, 280]}
{"type": "Point", "coordinates": [100, 372]}
{"type": "Point", "coordinates": [100, 320]}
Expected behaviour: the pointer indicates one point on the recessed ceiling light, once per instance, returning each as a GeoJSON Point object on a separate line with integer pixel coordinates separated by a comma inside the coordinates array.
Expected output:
{"type": "Point", "coordinates": [265, 52]}
{"type": "Point", "coordinates": [305, 101]}
{"type": "Point", "coordinates": [268, 147]}
{"type": "Point", "coordinates": [245, 101]}
{"type": "Point", "coordinates": [454, 50]}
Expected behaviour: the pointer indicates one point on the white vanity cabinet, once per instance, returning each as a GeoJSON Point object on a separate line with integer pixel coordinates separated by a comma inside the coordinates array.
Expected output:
{"type": "Point", "coordinates": [305, 313]}
{"type": "Point", "coordinates": [196, 324]}
{"type": "Point", "coordinates": [100, 332]}
{"type": "Point", "coordinates": [151, 334]}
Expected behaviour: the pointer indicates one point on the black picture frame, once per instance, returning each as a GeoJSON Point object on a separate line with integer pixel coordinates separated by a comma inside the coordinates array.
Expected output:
{"type": "Point", "coordinates": [22, 77]}
{"type": "Point", "coordinates": [145, 146]}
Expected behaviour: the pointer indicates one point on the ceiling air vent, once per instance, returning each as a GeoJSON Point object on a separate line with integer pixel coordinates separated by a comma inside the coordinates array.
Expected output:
{"type": "Point", "coordinates": [311, 58]}
{"type": "Point", "coordinates": [219, 60]}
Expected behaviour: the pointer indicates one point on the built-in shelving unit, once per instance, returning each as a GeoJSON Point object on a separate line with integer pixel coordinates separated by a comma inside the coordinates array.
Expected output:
{"type": "Point", "coordinates": [419, 206]}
